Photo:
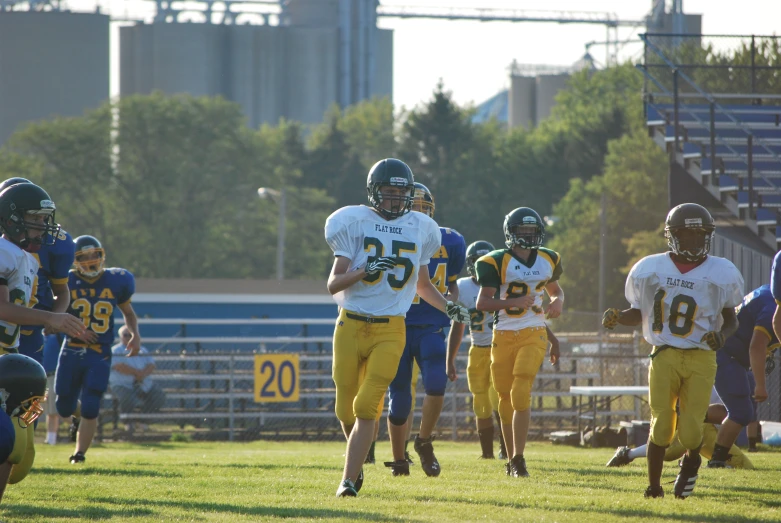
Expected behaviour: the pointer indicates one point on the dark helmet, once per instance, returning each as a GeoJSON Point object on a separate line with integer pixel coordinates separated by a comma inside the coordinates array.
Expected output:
{"type": "Point", "coordinates": [475, 251]}
{"type": "Point", "coordinates": [689, 217]}
{"type": "Point", "coordinates": [85, 262]}
{"type": "Point", "coordinates": [27, 198]}
{"type": "Point", "coordinates": [12, 181]}
{"type": "Point", "coordinates": [523, 217]}
{"type": "Point", "coordinates": [423, 200]}
{"type": "Point", "coordinates": [394, 173]}
{"type": "Point", "coordinates": [22, 386]}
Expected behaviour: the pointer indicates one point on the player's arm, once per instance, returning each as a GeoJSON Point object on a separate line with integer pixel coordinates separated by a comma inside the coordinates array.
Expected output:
{"type": "Point", "coordinates": [628, 317]}
{"type": "Point", "coordinates": [340, 279]}
{"type": "Point", "coordinates": [454, 338]}
{"type": "Point", "coordinates": [131, 322]}
{"type": "Point", "coordinates": [433, 297]}
{"type": "Point", "coordinates": [452, 291]}
{"type": "Point", "coordinates": [757, 352]}
{"type": "Point", "coordinates": [777, 321]}
{"type": "Point", "coordinates": [62, 296]}
{"type": "Point", "coordinates": [54, 322]}
{"type": "Point", "coordinates": [556, 294]}
{"type": "Point", "coordinates": [486, 301]}
{"type": "Point", "coordinates": [715, 339]}
{"type": "Point", "coordinates": [554, 346]}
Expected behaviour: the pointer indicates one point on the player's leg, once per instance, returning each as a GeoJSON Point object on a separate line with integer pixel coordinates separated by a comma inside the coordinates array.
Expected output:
{"type": "Point", "coordinates": [502, 360]}
{"type": "Point", "coordinates": [50, 409]}
{"type": "Point", "coordinates": [95, 385]}
{"type": "Point", "coordinates": [699, 371]}
{"type": "Point", "coordinates": [754, 434]}
{"type": "Point", "coordinates": [411, 418]}
{"type": "Point", "coordinates": [734, 383]}
{"type": "Point", "coordinates": [493, 397]}
{"type": "Point", "coordinates": [347, 369]}
{"type": "Point", "coordinates": [67, 381]}
{"type": "Point", "coordinates": [400, 404]}
{"type": "Point", "coordinates": [382, 360]}
{"type": "Point", "coordinates": [370, 458]}
{"type": "Point", "coordinates": [433, 369]}
{"type": "Point", "coordinates": [664, 382]}
{"type": "Point", "coordinates": [533, 344]}
{"type": "Point", "coordinates": [478, 375]}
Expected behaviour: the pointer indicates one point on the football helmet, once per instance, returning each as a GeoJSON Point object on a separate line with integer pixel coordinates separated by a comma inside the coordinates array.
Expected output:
{"type": "Point", "coordinates": [19, 200]}
{"type": "Point", "coordinates": [475, 251]}
{"type": "Point", "coordinates": [90, 256]}
{"type": "Point", "coordinates": [12, 181]}
{"type": "Point", "coordinates": [22, 387]}
{"type": "Point", "coordinates": [524, 227]}
{"type": "Point", "coordinates": [394, 173]}
{"type": "Point", "coordinates": [689, 230]}
{"type": "Point", "coordinates": [423, 200]}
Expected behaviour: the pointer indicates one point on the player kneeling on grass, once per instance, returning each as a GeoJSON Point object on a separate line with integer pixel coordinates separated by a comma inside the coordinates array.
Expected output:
{"type": "Point", "coordinates": [22, 390]}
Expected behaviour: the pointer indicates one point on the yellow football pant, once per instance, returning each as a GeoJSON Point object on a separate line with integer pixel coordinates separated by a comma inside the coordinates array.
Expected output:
{"type": "Point", "coordinates": [516, 357]}
{"type": "Point", "coordinates": [737, 460]}
{"type": "Point", "coordinates": [478, 375]}
{"type": "Point", "coordinates": [366, 357]}
{"type": "Point", "coordinates": [415, 372]}
{"type": "Point", "coordinates": [23, 455]}
{"type": "Point", "coordinates": [685, 377]}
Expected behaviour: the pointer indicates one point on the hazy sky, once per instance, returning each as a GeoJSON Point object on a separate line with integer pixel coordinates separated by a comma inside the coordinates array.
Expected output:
{"type": "Point", "coordinates": [472, 58]}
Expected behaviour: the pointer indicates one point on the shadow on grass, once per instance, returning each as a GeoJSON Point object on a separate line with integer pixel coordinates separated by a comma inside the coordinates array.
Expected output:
{"type": "Point", "coordinates": [92, 471]}
{"type": "Point", "coordinates": [277, 512]}
{"type": "Point", "coordinates": [87, 513]}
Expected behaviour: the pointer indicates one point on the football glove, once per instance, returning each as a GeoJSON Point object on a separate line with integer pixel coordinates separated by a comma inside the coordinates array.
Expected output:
{"type": "Point", "coordinates": [610, 318]}
{"type": "Point", "coordinates": [457, 313]}
{"type": "Point", "coordinates": [714, 339]}
{"type": "Point", "coordinates": [380, 264]}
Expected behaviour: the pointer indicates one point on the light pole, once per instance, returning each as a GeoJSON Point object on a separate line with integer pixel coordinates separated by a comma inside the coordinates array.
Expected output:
{"type": "Point", "coordinates": [280, 197]}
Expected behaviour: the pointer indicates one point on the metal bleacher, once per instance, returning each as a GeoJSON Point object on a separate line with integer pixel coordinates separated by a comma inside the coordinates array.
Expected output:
{"type": "Point", "coordinates": [729, 142]}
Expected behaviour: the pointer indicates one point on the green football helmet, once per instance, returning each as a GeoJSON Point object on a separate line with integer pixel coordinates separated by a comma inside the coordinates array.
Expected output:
{"type": "Point", "coordinates": [392, 173]}
{"type": "Point", "coordinates": [524, 227]}
{"type": "Point", "coordinates": [689, 230]}
{"type": "Point", "coordinates": [475, 251]}
{"type": "Point", "coordinates": [16, 202]}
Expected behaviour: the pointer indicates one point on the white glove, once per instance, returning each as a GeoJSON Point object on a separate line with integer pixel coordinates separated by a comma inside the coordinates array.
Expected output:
{"type": "Point", "coordinates": [380, 264]}
{"type": "Point", "coordinates": [457, 313]}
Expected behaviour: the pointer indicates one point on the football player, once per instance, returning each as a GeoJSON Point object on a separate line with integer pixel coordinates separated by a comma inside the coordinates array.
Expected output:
{"type": "Point", "coordinates": [27, 222]}
{"type": "Point", "coordinates": [512, 283]}
{"type": "Point", "coordinates": [478, 370]}
{"type": "Point", "coordinates": [739, 388]}
{"type": "Point", "coordinates": [425, 325]}
{"type": "Point", "coordinates": [716, 413]}
{"type": "Point", "coordinates": [685, 300]}
{"type": "Point", "coordinates": [381, 256]}
{"type": "Point", "coordinates": [22, 389]}
{"type": "Point", "coordinates": [85, 361]}
{"type": "Point", "coordinates": [55, 258]}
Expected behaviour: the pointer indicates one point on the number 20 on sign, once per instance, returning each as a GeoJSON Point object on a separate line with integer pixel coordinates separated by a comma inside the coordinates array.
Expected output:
{"type": "Point", "coordinates": [276, 378]}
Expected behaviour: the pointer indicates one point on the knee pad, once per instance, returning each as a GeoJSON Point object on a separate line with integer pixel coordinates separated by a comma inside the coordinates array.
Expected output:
{"type": "Point", "coordinates": [90, 404]}
{"type": "Point", "coordinates": [522, 392]}
{"type": "Point", "coordinates": [399, 405]}
{"type": "Point", "coordinates": [506, 409]}
{"type": "Point", "coordinates": [493, 397]}
{"type": "Point", "coordinates": [66, 405]}
{"type": "Point", "coordinates": [344, 411]}
{"type": "Point", "coordinates": [434, 379]}
{"type": "Point", "coordinates": [690, 435]}
{"type": "Point", "coordinates": [740, 409]}
{"type": "Point", "coordinates": [481, 405]}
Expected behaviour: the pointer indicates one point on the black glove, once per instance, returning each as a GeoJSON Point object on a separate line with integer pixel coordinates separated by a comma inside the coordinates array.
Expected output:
{"type": "Point", "coordinates": [457, 313]}
{"type": "Point", "coordinates": [714, 339]}
{"type": "Point", "coordinates": [380, 264]}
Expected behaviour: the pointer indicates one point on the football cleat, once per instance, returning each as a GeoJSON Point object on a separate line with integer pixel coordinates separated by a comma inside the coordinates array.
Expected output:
{"type": "Point", "coordinates": [518, 467]}
{"type": "Point", "coordinates": [428, 461]}
{"type": "Point", "coordinates": [620, 458]}
{"type": "Point", "coordinates": [502, 454]}
{"type": "Point", "coordinates": [346, 489]}
{"type": "Point", "coordinates": [654, 492]}
{"type": "Point", "coordinates": [359, 481]}
{"type": "Point", "coordinates": [508, 469]}
{"type": "Point", "coordinates": [73, 431]}
{"type": "Point", "coordinates": [407, 458]}
{"type": "Point", "coordinates": [398, 468]}
{"type": "Point", "coordinates": [687, 477]}
{"type": "Point", "coordinates": [78, 458]}
{"type": "Point", "coordinates": [718, 464]}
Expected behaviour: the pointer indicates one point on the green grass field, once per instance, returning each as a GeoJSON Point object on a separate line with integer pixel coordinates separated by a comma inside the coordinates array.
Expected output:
{"type": "Point", "coordinates": [235, 482]}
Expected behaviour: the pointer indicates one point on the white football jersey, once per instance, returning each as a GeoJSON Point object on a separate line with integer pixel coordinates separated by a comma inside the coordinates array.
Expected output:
{"type": "Point", "coordinates": [678, 309]}
{"type": "Point", "coordinates": [18, 271]}
{"type": "Point", "coordinates": [480, 323]}
{"type": "Point", "coordinates": [358, 233]}
{"type": "Point", "coordinates": [514, 278]}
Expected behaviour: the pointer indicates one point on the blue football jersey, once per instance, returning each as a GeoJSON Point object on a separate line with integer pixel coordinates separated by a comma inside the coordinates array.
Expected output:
{"type": "Point", "coordinates": [754, 313]}
{"type": "Point", "coordinates": [444, 268]}
{"type": "Point", "coordinates": [95, 301]}
{"type": "Point", "coordinates": [55, 261]}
